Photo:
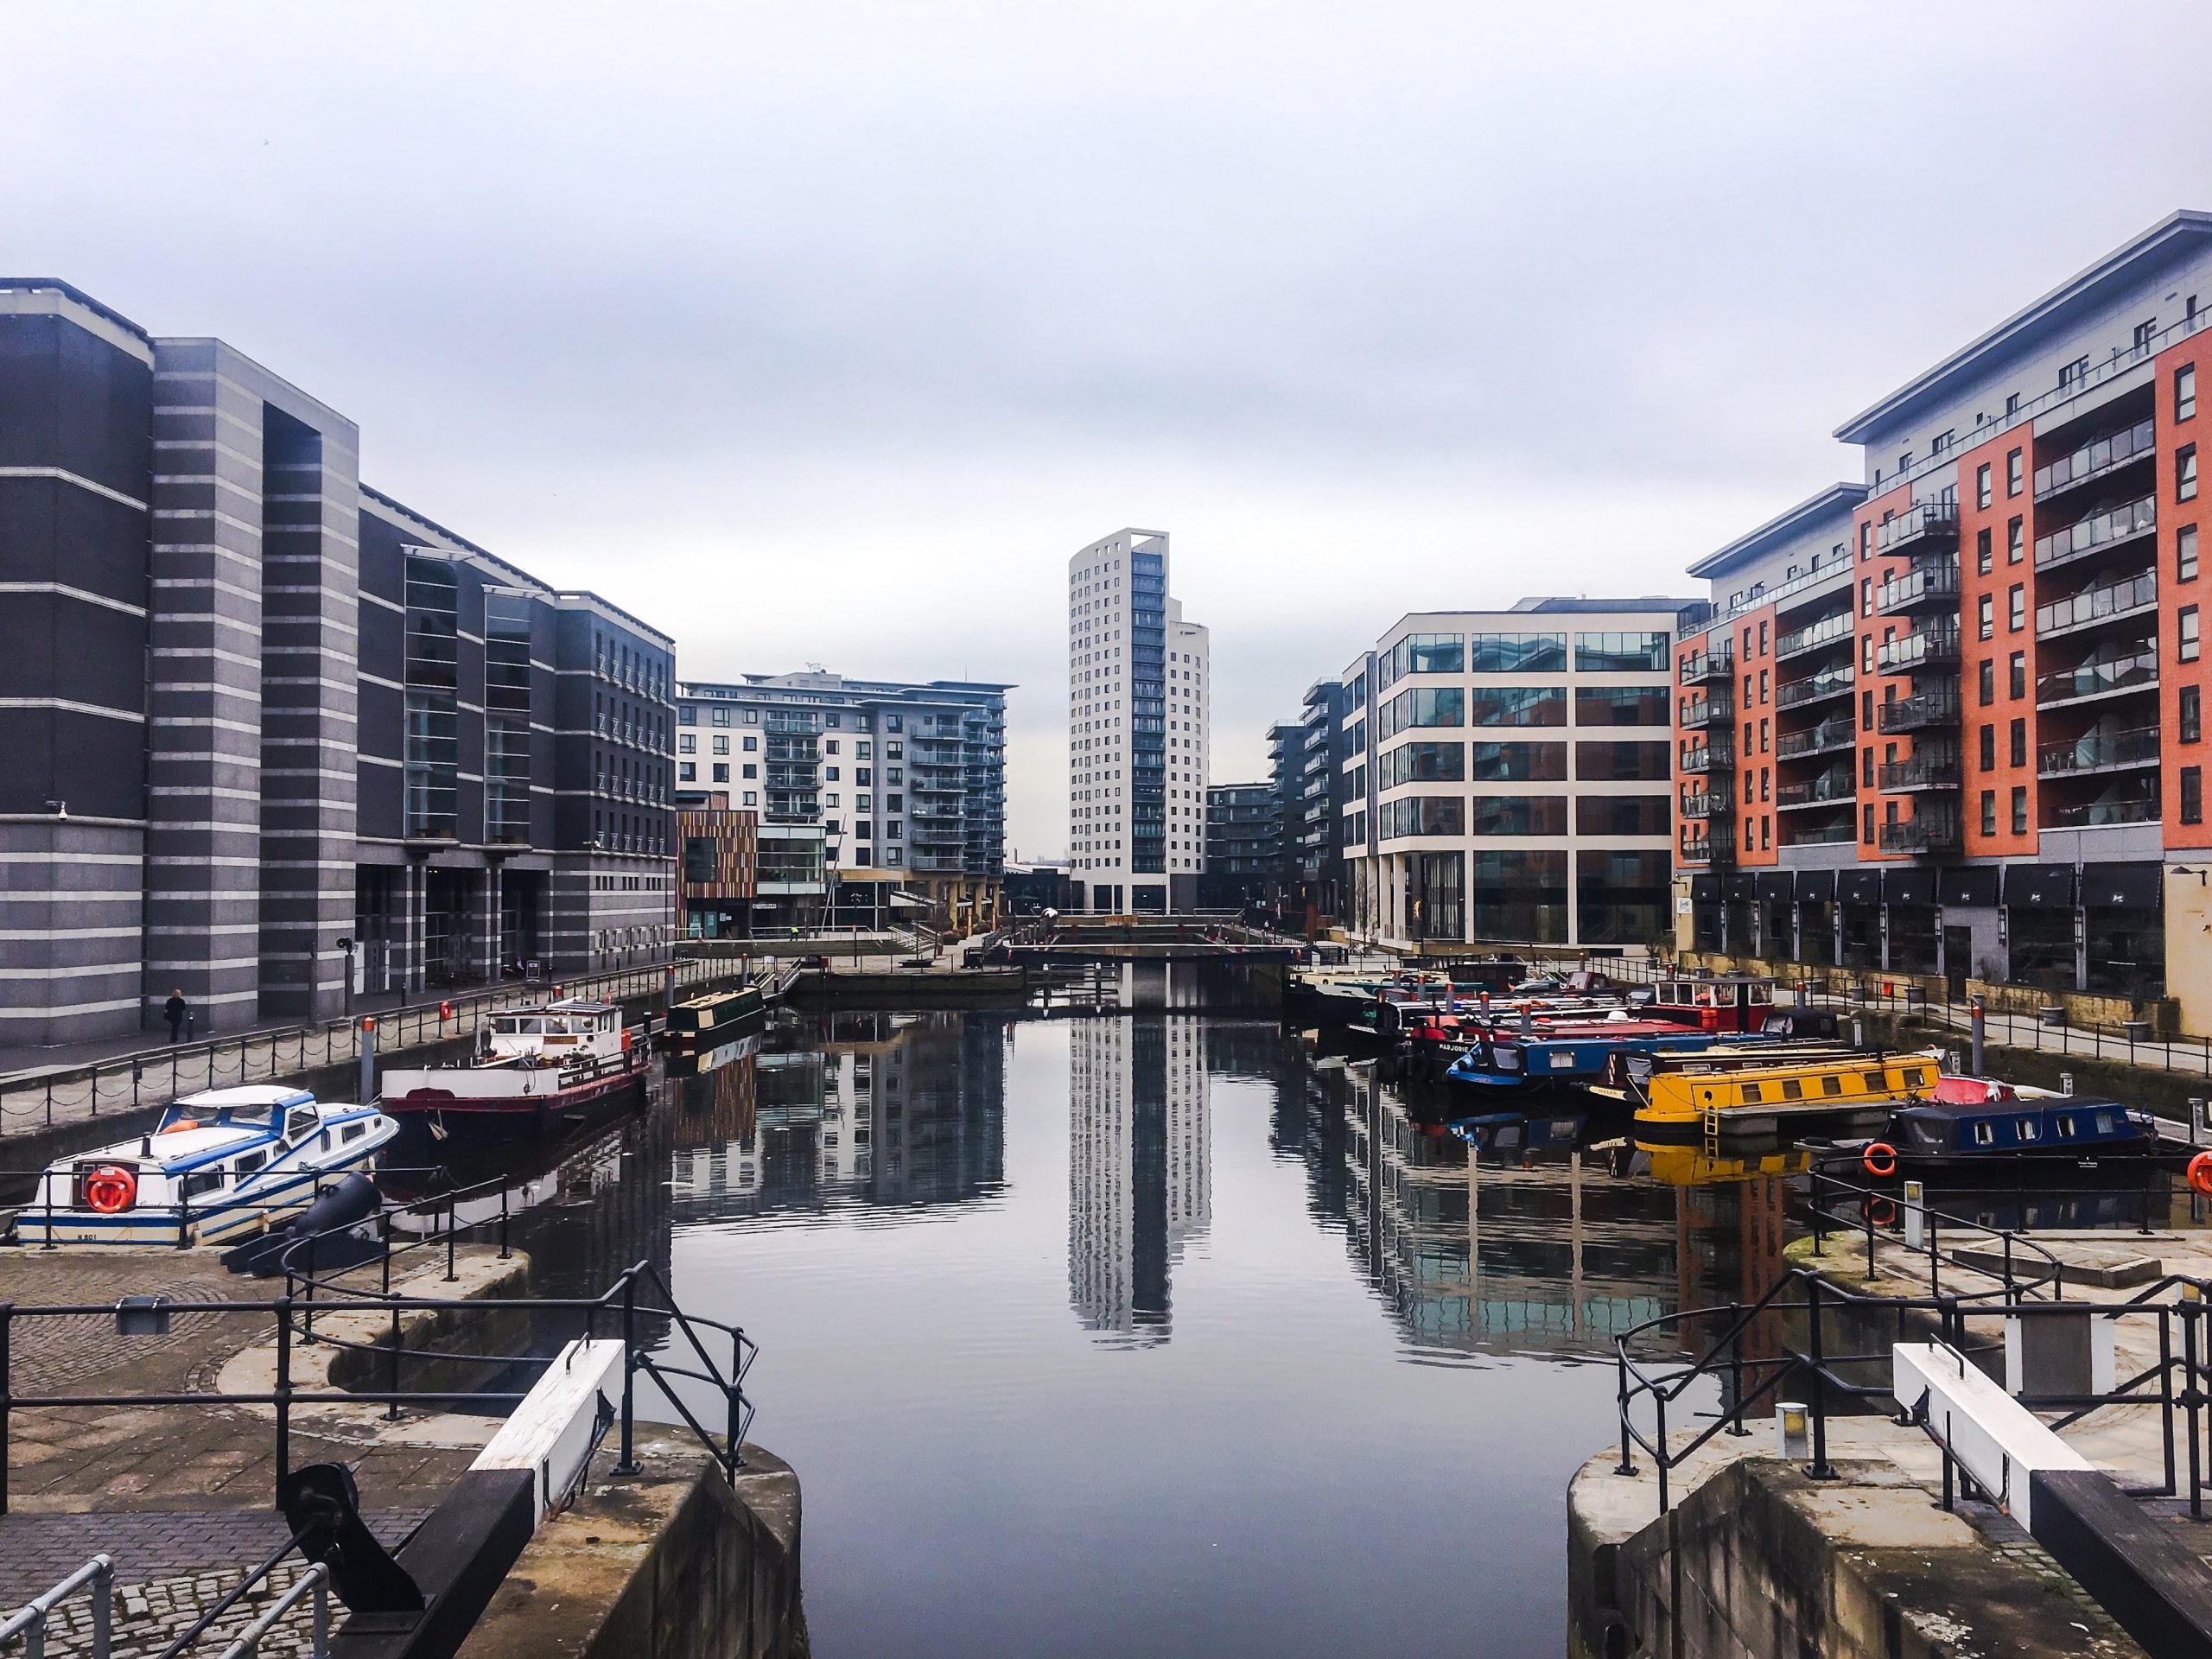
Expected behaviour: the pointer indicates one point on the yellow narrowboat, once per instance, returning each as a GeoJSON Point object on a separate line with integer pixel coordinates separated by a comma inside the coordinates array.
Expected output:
{"type": "Point", "coordinates": [1845, 1095]}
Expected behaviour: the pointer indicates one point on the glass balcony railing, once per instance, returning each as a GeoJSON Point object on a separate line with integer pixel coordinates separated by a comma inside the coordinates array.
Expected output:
{"type": "Point", "coordinates": [1828, 734]}
{"type": "Point", "coordinates": [1700, 666]}
{"type": "Point", "coordinates": [2099, 752]}
{"type": "Point", "coordinates": [1708, 804]}
{"type": "Point", "coordinates": [1828, 683]}
{"type": "Point", "coordinates": [1813, 636]}
{"type": "Point", "coordinates": [1707, 849]}
{"type": "Point", "coordinates": [1922, 648]}
{"type": "Point", "coordinates": [2100, 604]}
{"type": "Point", "coordinates": [2134, 672]}
{"type": "Point", "coordinates": [1920, 587]}
{"type": "Point", "coordinates": [2095, 458]}
{"type": "Point", "coordinates": [1922, 526]}
{"type": "Point", "coordinates": [1917, 713]}
{"type": "Point", "coordinates": [2135, 806]}
{"type": "Point", "coordinates": [2110, 528]}
{"type": "Point", "coordinates": [1824, 790]}
{"type": "Point", "coordinates": [1697, 712]}
{"type": "Point", "coordinates": [1819, 835]}
{"type": "Point", "coordinates": [1925, 832]}
{"type": "Point", "coordinates": [1699, 758]}
{"type": "Point", "coordinates": [1932, 771]}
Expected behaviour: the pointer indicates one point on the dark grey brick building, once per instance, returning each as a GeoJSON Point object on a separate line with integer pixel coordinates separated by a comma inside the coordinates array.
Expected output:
{"type": "Point", "coordinates": [252, 708]}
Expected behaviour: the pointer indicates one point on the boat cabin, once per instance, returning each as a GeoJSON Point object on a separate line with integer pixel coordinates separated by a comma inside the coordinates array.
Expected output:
{"type": "Point", "coordinates": [2061, 1125]}
{"type": "Point", "coordinates": [1686, 1095]}
{"type": "Point", "coordinates": [1717, 1003]}
{"type": "Point", "coordinates": [555, 1033]}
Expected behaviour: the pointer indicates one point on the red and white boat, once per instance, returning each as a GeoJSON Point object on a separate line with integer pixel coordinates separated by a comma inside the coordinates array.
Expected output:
{"type": "Point", "coordinates": [550, 1067]}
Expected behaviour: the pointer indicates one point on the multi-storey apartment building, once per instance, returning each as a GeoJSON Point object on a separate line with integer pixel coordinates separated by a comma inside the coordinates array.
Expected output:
{"type": "Point", "coordinates": [876, 780]}
{"type": "Point", "coordinates": [1508, 776]}
{"type": "Point", "coordinates": [1138, 696]}
{"type": "Point", "coordinates": [264, 724]}
{"type": "Point", "coordinates": [1323, 783]}
{"type": "Point", "coordinates": [1287, 778]}
{"type": "Point", "coordinates": [1243, 857]}
{"type": "Point", "coordinates": [1967, 740]}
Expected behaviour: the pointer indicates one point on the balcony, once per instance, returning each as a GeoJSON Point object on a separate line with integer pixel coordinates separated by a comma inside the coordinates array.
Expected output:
{"type": "Point", "coordinates": [2097, 458]}
{"type": "Point", "coordinates": [1699, 758]}
{"type": "Point", "coordinates": [1708, 850]}
{"type": "Point", "coordinates": [1937, 770]}
{"type": "Point", "coordinates": [1830, 789]}
{"type": "Point", "coordinates": [1923, 648]}
{"type": "Point", "coordinates": [1917, 713]}
{"type": "Point", "coordinates": [1931, 832]}
{"type": "Point", "coordinates": [2136, 596]}
{"type": "Point", "coordinates": [2096, 751]}
{"type": "Point", "coordinates": [1708, 804]}
{"type": "Point", "coordinates": [1696, 713]}
{"type": "Point", "coordinates": [2137, 672]}
{"type": "Point", "coordinates": [1826, 632]}
{"type": "Point", "coordinates": [1829, 735]}
{"type": "Point", "coordinates": [1930, 524]}
{"type": "Point", "coordinates": [1815, 687]}
{"type": "Point", "coordinates": [2123, 803]}
{"type": "Point", "coordinates": [1929, 584]}
{"type": "Point", "coordinates": [1819, 835]}
{"type": "Point", "coordinates": [1701, 666]}
{"type": "Point", "coordinates": [2115, 527]}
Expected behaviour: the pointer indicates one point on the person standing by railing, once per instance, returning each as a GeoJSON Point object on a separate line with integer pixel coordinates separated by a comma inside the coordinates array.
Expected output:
{"type": "Point", "coordinates": [175, 1011]}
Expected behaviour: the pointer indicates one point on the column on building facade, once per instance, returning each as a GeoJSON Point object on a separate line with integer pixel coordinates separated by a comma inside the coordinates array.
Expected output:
{"type": "Point", "coordinates": [484, 953]}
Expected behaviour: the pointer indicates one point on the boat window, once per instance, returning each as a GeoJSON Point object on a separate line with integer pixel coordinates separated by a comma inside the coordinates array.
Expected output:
{"type": "Point", "coordinates": [204, 1180]}
{"type": "Point", "coordinates": [1831, 1084]}
{"type": "Point", "coordinates": [2104, 1122]}
{"type": "Point", "coordinates": [1792, 1089]}
{"type": "Point", "coordinates": [300, 1121]}
{"type": "Point", "coordinates": [1751, 1096]}
{"type": "Point", "coordinates": [2066, 1126]}
{"type": "Point", "coordinates": [248, 1164]}
{"type": "Point", "coordinates": [1984, 1132]}
{"type": "Point", "coordinates": [1873, 1083]}
{"type": "Point", "coordinates": [2030, 1129]}
{"type": "Point", "coordinates": [353, 1132]}
{"type": "Point", "coordinates": [1763, 993]}
{"type": "Point", "coordinates": [1914, 1076]}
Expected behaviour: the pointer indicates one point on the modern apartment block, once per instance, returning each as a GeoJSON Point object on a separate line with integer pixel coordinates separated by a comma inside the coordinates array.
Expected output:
{"type": "Point", "coordinates": [1316, 895]}
{"type": "Point", "coordinates": [252, 709]}
{"type": "Point", "coordinates": [1508, 776]}
{"type": "Point", "coordinates": [1137, 722]}
{"type": "Point", "coordinates": [1948, 719]}
{"type": "Point", "coordinates": [879, 780]}
{"type": "Point", "coordinates": [1243, 856]}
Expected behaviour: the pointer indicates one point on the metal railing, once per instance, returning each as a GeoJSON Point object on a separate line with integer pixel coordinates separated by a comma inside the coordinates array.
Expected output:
{"type": "Point", "coordinates": [29, 1621]}
{"type": "Point", "coordinates": [1826, 632]}
{"type": "Point", "coordinates": [2103, 528]}
{"type": "Point", "coordinates": [2138, 670]}
{"type": "Point", "coordinates": [1939, 708]}
{"type": "Point", "coordinates": [1927, 582]}
{"type": "Point", "coordinates": [1922, 523]}
{"type": "Point", "coordinates": [2098, 604]}
{"type": "Point", "coordinates": [1828, 734]}
{"type": "Point", "coordinates": [1828, 683]}
{"type": "Point", "coordinates": [2095, 751]}
{"type": "Point", "coordinates": [2096, 458]}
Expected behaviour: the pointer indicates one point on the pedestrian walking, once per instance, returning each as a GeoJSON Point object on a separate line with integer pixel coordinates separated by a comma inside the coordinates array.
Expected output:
{"type": "Point", "coordinates": [174, 1011]}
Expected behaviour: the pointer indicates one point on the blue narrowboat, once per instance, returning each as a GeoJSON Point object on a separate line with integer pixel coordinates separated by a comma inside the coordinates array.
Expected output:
{"type": "Point", "coordinates": [1962, 1135]}
{"type": "Point", "coordinates": [1506, 1061]}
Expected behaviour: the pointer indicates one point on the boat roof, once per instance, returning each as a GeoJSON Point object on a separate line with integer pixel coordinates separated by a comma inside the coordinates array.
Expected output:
{"type": "Point", "coordinates": [250, 1094]}
{"type": "Point", "coordinates": [565, 1005]}
{"type": "Point", "coordinates": [2012, 1107]}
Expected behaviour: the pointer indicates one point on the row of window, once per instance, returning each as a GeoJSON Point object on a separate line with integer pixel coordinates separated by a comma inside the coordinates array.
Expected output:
{"type": "Point", "coordinates": [1513, 815]}
{"type": "Point", "coordinates": [1610, 652]}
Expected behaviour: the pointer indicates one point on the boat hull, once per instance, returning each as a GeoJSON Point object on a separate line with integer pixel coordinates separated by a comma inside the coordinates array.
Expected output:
{"type": "Point", "coordinates": [460, 1113]}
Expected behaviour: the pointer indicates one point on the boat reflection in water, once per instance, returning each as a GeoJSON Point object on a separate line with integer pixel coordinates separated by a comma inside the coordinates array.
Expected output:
{"type": "Point", "coordinates": [832, 1111]}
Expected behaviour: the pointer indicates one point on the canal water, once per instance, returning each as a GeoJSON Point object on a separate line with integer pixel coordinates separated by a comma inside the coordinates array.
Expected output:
{"type": "Point", "coordinates": [1119, 1333]}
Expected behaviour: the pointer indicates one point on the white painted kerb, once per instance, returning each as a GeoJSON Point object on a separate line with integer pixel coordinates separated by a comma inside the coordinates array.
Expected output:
{"type": "Point", "coordinates": [1996, 1440]}
{"type": "Point", "coordinates": [550, 1433]}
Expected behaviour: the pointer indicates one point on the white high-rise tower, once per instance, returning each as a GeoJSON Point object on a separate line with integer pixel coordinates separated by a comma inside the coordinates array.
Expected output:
{"type": "Point", "coordinates": [1137, 703]}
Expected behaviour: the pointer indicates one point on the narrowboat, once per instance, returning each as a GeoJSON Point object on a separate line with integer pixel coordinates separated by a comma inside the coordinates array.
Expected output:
{"type": "Point", "coordinates": [1856, 1092]}
{"type": "Point", "coordinates": [219, 1166]}
{"type": "Point", "coordinates": [1563, 1051]}
{"type": "Point", "coordinates": [1936, 1135]}
{"type": "Point", "coordinates": [554, 1066]}
{"type": "Point", "coordinates": [704, 1023]}
{"type": "Point", "coordinates": [1721, 1002]}
{"type": "Point", "coordinates": [1627, 1075]}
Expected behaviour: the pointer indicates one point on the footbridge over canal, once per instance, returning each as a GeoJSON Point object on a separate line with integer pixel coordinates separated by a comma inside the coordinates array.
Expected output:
{"type": "Point", "coordinates": [1195, 936]}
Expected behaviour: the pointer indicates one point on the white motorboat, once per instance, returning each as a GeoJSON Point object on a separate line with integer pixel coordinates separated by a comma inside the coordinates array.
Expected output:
{"type": "Point", "coordinates": [220, 1165]}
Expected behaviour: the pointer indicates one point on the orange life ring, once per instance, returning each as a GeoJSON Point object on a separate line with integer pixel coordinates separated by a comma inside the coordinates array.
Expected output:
{"type": "Point", "coordinates": [1887, 1151]}
{"type": "Point", "coordinates": [110, 1189]}
{"type": "Point", "coordinates": [1880, 1211]}
{"type": "Point", "coordinates": [2200, 1173]}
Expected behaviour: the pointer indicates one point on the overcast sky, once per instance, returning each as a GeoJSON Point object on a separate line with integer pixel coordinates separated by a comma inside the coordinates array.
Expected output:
{"type": "Point", "coordinates": [825, 333]}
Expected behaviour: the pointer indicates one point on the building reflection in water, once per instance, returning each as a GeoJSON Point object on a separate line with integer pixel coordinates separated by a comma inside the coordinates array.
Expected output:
{"type": "Point", "coordinates": [874, 1110]}
{"type": "Point", "coordinates": [1140, 1166]}
{"type": "Point", "coordinates": [1541, 1251]}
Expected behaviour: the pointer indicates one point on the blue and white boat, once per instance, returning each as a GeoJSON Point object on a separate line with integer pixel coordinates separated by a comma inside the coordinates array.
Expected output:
{"type": "Point", "coordinates": [221, 1164]}
{"type": "Point", "coordinates": [1506, 1061]}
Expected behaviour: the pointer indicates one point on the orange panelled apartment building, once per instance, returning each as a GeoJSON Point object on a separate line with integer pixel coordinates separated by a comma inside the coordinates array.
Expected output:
{"type": "Point", "coordinates": [1948, 720]}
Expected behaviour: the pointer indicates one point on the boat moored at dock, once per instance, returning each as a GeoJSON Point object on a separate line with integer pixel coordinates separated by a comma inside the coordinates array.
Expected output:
{"type": "Point", "coordinates": [1851, 1093]}
{"type": "Point", "coordinates": [553, 1066]}
{"type": "Point", "coordinates": [219, 1166]}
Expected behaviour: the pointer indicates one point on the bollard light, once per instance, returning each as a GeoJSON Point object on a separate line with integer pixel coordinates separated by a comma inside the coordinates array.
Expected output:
{"type": "Point", "coordinates": [1793, 1430]}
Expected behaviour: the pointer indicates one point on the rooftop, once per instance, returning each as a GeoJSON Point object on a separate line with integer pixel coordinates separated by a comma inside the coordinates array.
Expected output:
{"type": "Point", "coordinates": [1837, 501]}
{"type": "Point", "coordinates": [2177, 236]}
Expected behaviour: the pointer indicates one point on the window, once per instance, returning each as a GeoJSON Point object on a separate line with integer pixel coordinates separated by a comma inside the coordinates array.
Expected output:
{"type": "Point", "coordinates": [1987, 676]}
{"type": "Point", "coordinates": [1866, 595]}
{"type": "Point", "coordinates": [2185, 392]}
{"type": "Point", "coordinates": [2189, 713]}
{"type": "Point", "coordinates": [2015, 608]}
{"type": "Point", "coordinates": [1986, 616]}
{"type": "Point", "coordinates": [687, 713]}
{"type": "Point", "coordinates": [2145, 331]}
{"type": "Point", "coordinates": [1867, 825]}
{"type": "Point", "coordinates": [2016, 540]}
{"type": "Point", "coordinates": [721, 771]}
{"type": "Point", "coordinates": [2071, 375]}
{"type": "Point", "coordinates": [2019, 742]}
{"type": "Point", "coordinates": [2017, 674]}
{"type": "Point", "coordinates": [750, 745]}
{"type": "Point", "coordinates": [1866, 711]}
{"type": "Point", "coordinates": [1763, 685]}
{"type": "Point", "coordinates": [1982, 558]}
{"type": "Point", "coordinates": [2019, 808]}
{"type": "Point", "coordinates": [751, 797]}
{"type": "Point", "coordinates": [721, 745]}
{"type": "Point", "coordinates": [2192, 794]}
{"type": "Point", "coordinates": [720, 717]}
{"type": "Point", "coordinates": [1988, 812]}
{"type": "Point", "coordinates": [2185, 553]}
{"type": "Point", "coordinates": [830, 746]}
{"type": "Point", "coordinates": [686, 743]}
{"type": "Point", "coordinates": [2185, 473]}
{"type": "Point", "coordinates": [1982, 492]}
{"type": "Point", "coordinates": [1989, 748]}
{"type": "Point", "coordinates": [2015, 468]}
{"type": "Point", "coordinates": [1762, 736]}
{"type": "Point", "coordinates": [828, 774]}
{"type": "Point", "coordinates": [748, 770]}
{"type": "Point", "coordinates": [2185, 633]}
{"type": "Point", "coordinates": [1867, 768]}
{"type": "Point", "coordinates": [687, 772]}
{"type": "Point", "coordinates": [1518, 653]}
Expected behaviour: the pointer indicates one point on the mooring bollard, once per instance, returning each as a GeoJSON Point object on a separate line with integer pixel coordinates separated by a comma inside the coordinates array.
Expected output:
{"type": "Point", "coordinates": [1977, 1019]}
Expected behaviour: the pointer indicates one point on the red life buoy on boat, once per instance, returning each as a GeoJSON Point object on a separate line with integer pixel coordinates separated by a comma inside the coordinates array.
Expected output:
{"type": "Point", "coordinates": [110, 1189]}
{"type": "Point", "coordinates": [2200, 1173]}
{"type": "Point", "coordinates": [1889, 1156]}
{"type": "Point", "coordinates": [626, 1042]}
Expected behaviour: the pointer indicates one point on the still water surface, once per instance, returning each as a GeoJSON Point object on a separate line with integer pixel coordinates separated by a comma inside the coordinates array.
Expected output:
{"type": "Point", "coordinates": [1143, 1334]}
